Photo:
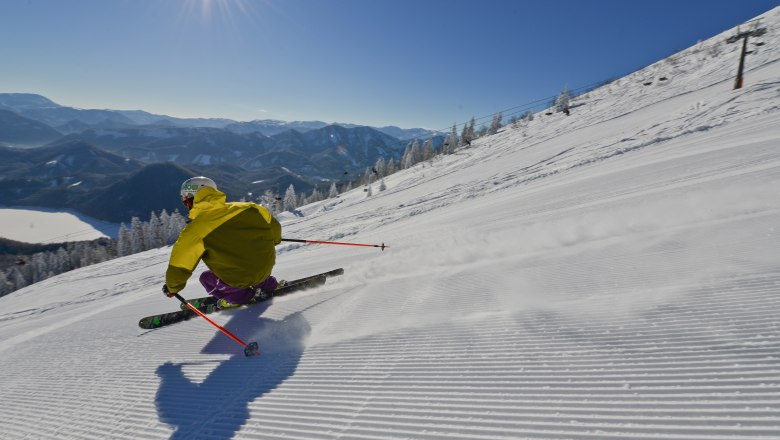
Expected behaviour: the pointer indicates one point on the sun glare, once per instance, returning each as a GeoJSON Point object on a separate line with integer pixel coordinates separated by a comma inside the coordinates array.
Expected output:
{"type": "Point", "coordinates": [211, 11]}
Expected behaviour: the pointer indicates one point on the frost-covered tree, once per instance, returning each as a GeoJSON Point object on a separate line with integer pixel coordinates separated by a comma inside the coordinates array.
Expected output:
{"type": "Point", "coordinates": [380, 167]}
{"type": "Point", "coordinates": [382, 185]}
{"type": "Point", "coordinates": [290, 201]}
{"type": "Point", "coordinates": [156, 231]}
{"type": "Point", "coordinates": [412, 155]}
{"type": "Point", "coordinates": [16, 278]}
{"type": "Point", "coordinates": [390, 168]}
{"type": "Point", "coordinates": [271, 201]}
{"type": "Point", "coordinates": [562, 102]}
{"type": "Point", "coordinates": [368, 176]}
{"type": "Point", "coordinates": [6, 286]}
{"type": "Point", "coordinates": [176, 223]}
{"type": "Point", "coordinates": [315, 196]}
{"type": "Point", "coordinates": [369, 192]}
{"type": "Point", "coordinates": [39, 266]}
{"type": "Point", "coordinates": [123, 245]}
{"type": "Point", "coordinates": [451, 142]}
{"type": "Point", "coordinates": [136, 235]}
{"type": "Point", "coordinates": [467, 134]}
{"type": "Point", "coordinates": [497, 123]}
{"type": "Point", "coordinates": [427, 150]}
{"type": "Point", "coordinates": [333, 192]}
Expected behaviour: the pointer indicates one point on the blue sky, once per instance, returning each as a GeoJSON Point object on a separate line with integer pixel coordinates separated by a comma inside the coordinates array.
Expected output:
{"type": "Point", "coordinates": [410, 63]}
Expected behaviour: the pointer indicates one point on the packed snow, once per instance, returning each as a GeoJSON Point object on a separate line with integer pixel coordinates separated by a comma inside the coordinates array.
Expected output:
{"type": "Point", "coordinates": [43, 225]}
{"type": "Point", "coordinates": [612, 274]}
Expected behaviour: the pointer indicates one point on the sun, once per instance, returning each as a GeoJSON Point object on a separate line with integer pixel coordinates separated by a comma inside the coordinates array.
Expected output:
{"type": "Point", "coordinates": [211, 11]}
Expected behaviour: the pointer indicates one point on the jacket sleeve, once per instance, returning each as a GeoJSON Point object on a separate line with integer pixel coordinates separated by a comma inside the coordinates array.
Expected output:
{"type": "Point", "coordinates": [276, 230]}
{"type": "Point", "coordinates": [185, 256]}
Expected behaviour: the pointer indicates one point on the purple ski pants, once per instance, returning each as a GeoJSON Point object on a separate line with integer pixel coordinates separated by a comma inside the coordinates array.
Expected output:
{"type": "Point", "coordinates": [234, 295]}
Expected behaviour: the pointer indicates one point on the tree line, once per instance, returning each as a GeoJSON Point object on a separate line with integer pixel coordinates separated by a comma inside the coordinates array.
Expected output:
{"type": "Point", "coordinates": [161, 230]}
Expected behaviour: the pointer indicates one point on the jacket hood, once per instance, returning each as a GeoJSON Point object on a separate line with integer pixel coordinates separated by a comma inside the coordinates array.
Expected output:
{"type": "Point", "coordinates": [207, 198]}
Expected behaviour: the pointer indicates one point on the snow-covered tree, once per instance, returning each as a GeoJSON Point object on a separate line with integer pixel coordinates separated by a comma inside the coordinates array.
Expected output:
{"type": "Point", "coordinates": [497, 123]}
{"type": "Point", "coordinates": [271, 201]}
{"type": "Point", "coordinates": [156, 231]}
{"type": "Point", "coordinates": [562, 102]}
{"type": "Point", "coordinates": [467, 134]}
{"type": "Point", "coordinates": [290, 201]}
{"type": "Point", "coordinates": [451, 142]}
{"type": "Point", "coordinates": [176, 223]}
{"type": "Point", "coordinates": [391, 166]}
{"type": "Point", "coordinates": [136, 235]}
{"type": "Point", "coordinates": [382, 185]}
{"type": "Point", "coordinates": [315, 196]}
{"type": "Point", "coordinates": [412, 155]}
{"type": "Point", "coordinates": [380, 167]}
{"type": "Point", "coordinates": [333, 192]}
{"type": "Point", "coordinates": [368, 176]}
{"type": "Point", "coordinates": [123, 246]}
{"type": "Point", "coordinates": [427, 150]}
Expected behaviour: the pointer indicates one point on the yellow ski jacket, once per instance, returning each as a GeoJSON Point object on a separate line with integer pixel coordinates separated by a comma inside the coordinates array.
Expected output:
{"type": "Point", "coordinates": [235, 240]}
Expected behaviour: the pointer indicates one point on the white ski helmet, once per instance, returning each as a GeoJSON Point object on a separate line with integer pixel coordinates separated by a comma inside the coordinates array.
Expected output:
{"type": "Point", "coordinates": [191, 186]}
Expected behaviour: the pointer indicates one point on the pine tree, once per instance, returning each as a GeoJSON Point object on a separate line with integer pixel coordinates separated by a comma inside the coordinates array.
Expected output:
{"type": "Point", "coordinates": [176, 223]}
{"type": "Point", "coordinates": [40, 268]}
{"type": "Point", "coordinates": [380, 167]}
{"type": "Point", "coordinates": [290, 200]}
{"type": "Point", "coordinates": [496, 124]}
{"type": "Point", "coordinates": [562, 102]}
{"type": "Point", "coordinates": [390, 167]}
{"type": "Point", "coordinates": [5, 285]}
{"type": "Point", "coordinates": [382, 185]}
{"type": "Point", "coordinates": [427, 151]}
{"type": "Point", "coordinates": [17, 278]}
{"type": "Point", "coordinates": [123, 246]}
{"type": "Point", "coordinates": [465, 136]}
{"type": "Point", "coordinates": [333, 192]}
{"type": "Point", "coordinates": [412, 155]}
{"type": "Point", "coordinates": [136, 235]}
{"type": "Point", "coordinates": [271, 200]}
{"type": "Point", "coordinates": [368, 177]}
{"type": "Point", "coordinates": [156, 232]}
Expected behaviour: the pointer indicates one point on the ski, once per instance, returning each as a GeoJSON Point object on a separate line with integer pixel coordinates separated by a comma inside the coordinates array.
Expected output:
{"type": "Point", "coordinates": [208, 305]}
{"type": "Point", "coordinates": [286, 287]}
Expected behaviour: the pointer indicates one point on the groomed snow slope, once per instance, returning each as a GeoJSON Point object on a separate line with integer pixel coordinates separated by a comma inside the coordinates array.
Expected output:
{"type": "Point", "coordinates": [612, 274]}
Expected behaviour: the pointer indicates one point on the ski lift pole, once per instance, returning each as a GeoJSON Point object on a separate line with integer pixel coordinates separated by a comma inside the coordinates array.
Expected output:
{"type": "Point", "coordinates": [293, 240]}
{"type": "Point", "coordinates": [250, 349]}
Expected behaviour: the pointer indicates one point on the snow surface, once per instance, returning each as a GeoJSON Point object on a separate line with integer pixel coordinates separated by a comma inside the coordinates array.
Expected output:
{"type": "Point", "coordinates": [51, 226]}
{"type": "Point", "coordinates": [611, 274]}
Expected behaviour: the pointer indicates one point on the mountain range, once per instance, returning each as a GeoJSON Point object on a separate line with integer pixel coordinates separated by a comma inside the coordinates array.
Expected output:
{"type": "Point", "coordinates": [89, 160]}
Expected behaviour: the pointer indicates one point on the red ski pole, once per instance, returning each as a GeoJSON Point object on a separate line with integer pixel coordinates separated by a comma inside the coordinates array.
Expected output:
{"type": "Point", "coordinates": [381, 246]}
{"type": "Point", "coordinates": [250, 349]}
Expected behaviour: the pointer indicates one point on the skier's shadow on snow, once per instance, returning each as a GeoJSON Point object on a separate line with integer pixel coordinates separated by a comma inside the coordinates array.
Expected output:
{"type": "Point", "coordinates": [218, 406]}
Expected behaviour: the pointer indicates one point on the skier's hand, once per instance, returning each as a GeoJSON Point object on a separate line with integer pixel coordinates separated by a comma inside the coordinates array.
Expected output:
{"type": "Point", "coordinates": [167, 292]}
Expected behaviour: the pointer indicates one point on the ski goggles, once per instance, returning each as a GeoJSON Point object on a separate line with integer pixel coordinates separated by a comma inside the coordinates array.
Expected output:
{"type": "Point", "coordinates": [188, 200]}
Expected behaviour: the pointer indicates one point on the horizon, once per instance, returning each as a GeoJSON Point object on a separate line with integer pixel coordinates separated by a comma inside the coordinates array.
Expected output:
{"type": "Point", "coordinates": [421, 64]}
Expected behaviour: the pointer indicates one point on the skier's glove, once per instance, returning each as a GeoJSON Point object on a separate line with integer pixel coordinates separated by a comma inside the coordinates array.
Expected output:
{"type": "Point", "coordinates": [167, 292]}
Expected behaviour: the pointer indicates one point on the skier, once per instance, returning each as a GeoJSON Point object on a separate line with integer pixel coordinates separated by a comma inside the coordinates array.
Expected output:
{"type": "Point", "coordinates": [235, 240]}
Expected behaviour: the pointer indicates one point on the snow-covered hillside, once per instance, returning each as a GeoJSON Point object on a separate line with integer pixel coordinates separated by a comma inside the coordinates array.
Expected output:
{"type": "Point", "coordinates": [51, 226]}
{"type": "Point", "coordinates": [611, 274]}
